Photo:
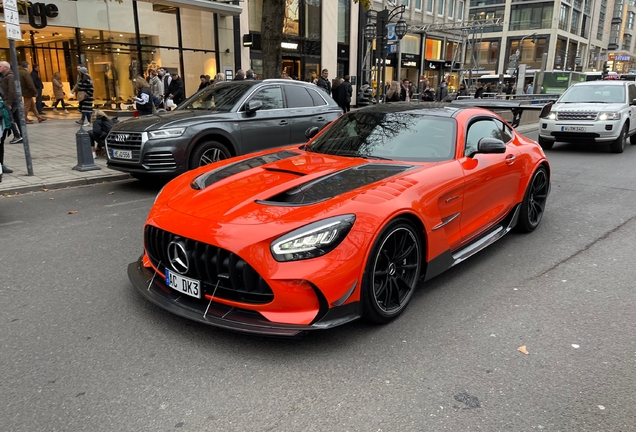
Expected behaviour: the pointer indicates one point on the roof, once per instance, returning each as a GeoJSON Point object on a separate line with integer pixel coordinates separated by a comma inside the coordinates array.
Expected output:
{"type": "Point", "coordinates": [439, 109]}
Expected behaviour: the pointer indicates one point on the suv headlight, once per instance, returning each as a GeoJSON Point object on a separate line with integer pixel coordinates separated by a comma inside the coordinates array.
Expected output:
{"type": "Point", "coordinates": [552, 115]}
{"type": "Point", "coordinates": [312, 240]}
{"type": "Point", "coordinates": [166, 133]}
{"type": "Point", "coordinates": [609, 116]}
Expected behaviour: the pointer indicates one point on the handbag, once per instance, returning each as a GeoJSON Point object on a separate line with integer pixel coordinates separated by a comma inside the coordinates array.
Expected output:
{"type": "Point", "coordinates": [81, 95]}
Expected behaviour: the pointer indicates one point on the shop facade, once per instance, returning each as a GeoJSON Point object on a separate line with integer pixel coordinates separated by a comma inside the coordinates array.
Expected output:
{"type": "Point", "coordinates": [118, 41]}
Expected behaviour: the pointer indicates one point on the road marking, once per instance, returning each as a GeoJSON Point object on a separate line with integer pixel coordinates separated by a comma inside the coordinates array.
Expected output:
{"type": "Point", "coordinates": [11, 223]}
{"type": "Point", "coordinates": [129, 202]}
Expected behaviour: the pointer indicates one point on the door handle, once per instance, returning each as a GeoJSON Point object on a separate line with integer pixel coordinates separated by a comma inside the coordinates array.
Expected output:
{"type": "Point", "coordinates": [510, 159]}
{"type": "Point", "coordinates": [320, 118]}
{"type": "Point", "coordinates": [283, 122]}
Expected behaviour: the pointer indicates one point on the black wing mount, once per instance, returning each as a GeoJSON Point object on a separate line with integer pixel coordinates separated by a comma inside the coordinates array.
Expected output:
{"type": "Point", "coordinates": [516, 107]}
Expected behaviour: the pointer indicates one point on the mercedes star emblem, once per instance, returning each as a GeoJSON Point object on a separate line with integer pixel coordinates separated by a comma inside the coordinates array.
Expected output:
{"type": "Point", "coordinates": [178, 257]}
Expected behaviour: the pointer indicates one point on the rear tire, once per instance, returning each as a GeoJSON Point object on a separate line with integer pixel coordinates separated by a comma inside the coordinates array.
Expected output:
{"type": "Point", "coordinates": [392, 272]}
{"type": "Point", "coordinates": [208, 152]}
{"type": "Point", "coordinates": [533, 205]}
{"type": "Point", "coordinates": [619, 145]}
{"type": "Point", "coordinates": [545, 143]}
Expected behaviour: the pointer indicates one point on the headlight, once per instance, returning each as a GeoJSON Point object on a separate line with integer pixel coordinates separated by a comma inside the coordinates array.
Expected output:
{"type": "Point", "coordinates": [312, 240]}
{"type": "Point", "coordinates": [552, 116]}
{"type": "Point", "coordinates": [166, 133]}
{"type": "Point", "coordinates": [609, 116]}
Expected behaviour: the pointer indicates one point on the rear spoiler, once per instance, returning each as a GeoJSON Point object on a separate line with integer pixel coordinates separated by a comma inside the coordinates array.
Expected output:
{"type": "Point", "coordinates": [516, 107]}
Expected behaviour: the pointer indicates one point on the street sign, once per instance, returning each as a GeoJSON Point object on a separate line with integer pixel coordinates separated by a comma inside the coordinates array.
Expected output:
{"type": "Point", "coordinates": [12, 20]}
{"type": "Point", "coordinates": [392, 48]}
{"type": "Point", "coordinates": [390, 33]}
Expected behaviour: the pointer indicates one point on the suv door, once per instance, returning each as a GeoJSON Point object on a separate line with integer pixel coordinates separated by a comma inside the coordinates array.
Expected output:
{"type": "Point", "coordinates": [631, 92]}
{"type": "Point", "coordinates": [305, 111]}
{"type": "Point", "coordinates": [267, 127]}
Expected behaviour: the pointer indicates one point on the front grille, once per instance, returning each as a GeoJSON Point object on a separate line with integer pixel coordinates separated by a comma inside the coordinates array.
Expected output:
{"type": "Point", "coordinates": [124, 141]}
{"type": "Point", "coordinates": [221, 272]}
{"type": "Point", "coordinates": [159, 161]}
{"type": "Point", "coordinates": [577, 115]}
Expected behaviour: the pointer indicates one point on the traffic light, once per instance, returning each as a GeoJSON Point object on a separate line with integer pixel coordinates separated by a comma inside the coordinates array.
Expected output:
{"type": "Point", "coordinates": [605, 69]}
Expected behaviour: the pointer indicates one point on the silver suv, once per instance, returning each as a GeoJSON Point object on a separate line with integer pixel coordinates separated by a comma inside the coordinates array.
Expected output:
{"type": "Point", "coordinates": [594, 111]}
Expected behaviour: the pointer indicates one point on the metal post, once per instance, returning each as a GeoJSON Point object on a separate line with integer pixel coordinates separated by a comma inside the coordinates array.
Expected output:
{"type": "Point", "coordinates": [537, 86]}
{"type": "Point", "coordinates": [18, 100]}
{"type": "Point", "coordinates": [382, 22]}
{"type": "Point", "coordinates": [85, 160]}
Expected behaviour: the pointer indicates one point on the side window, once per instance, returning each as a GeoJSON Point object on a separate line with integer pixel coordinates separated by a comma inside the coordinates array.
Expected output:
{"type": "Point", "coordinates": [271, 97]}
{"type": "Point", "coordinates": [506, 133]}
{"type": "Point", "coordinates": [479, 130]}
{"type": "Point", "coordinates": [297, 97]}
{"type": "Point", "coordinates": [318, 100]}
{"type": "Point", "coordinates": [632, 93]}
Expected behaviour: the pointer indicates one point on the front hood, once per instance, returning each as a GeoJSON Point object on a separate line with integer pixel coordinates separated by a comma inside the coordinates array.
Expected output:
{"type": "Point", "coordinates": [596, 107]}
{"type": "Point", "coordinates": [180, 118]}
{"type": "Point", "coordinates": [276, 185]}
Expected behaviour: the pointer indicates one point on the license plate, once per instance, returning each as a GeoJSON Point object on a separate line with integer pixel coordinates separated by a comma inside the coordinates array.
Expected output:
{"type": "Point", "coordinates": [573, 128]}
{"type": "Point", "coordinates": [184, 285]}
{"type": "Point", "coordinates": [122, 154]}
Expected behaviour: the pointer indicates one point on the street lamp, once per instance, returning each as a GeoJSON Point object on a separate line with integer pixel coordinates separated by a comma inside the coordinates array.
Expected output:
{"type": "Point", "coordinates": [533, 37]}
{"type": "Point", "coordinates": [379, 31]}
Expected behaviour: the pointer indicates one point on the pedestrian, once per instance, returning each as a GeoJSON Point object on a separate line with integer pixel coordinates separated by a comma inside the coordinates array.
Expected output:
{"type": "Point", "coordinates": [204, 82]}
{"type": "Point", "coordinates": [530, 88]}
{"type": "Point", "coordinates": [7, 86]}
{"type": "Point", "coordinates": [175, 90]}
{"type": "Point", "coordinates": [101, 126]}
{"type": "Point", "coordinates": [323, 81]}
{"type": "Point", "coordinates": [393, 93]}
{"type": "Point", "coordinates": [462, 91]}
{"type": "Point", "coordinates": [249, 75]}
{"type": "Point", "coordinates": [29, 92]}
{"type": "Point", "coordinates": [76, 86]}
{"type": "Point", "coordinates": [218, 78]}
{"type": "Point", "coordinates": [442, 91]}
{"type": "Point", "coordinates": [406, 92]}
{"type": "Point", "coordinates": [143, 99]}
{"type": "Point", "coordinates": [39, 86]}
{"type": "Point", "coordinates": [342, 94]}
{"type": "Point", "coordinates": [240, 75]}
{"type": "Point", "coordinates": [428, 95]}
{"type": "Point", "coordinates": [85, 97]}
{"type": "Point", "coordinates": [166, 79]}
{"type": "Point", "coordinates": [5, 118]}
{"type": "Point", "coordinates": [156, 86]}
{"type": "Point", "coordinates": [480, 90]}
{"type": "Point", "coordinates": [58, 92]}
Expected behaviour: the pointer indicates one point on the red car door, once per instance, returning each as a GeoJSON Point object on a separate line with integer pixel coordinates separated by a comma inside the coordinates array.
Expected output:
{"type": "Point", "coordinates": [491, 180]}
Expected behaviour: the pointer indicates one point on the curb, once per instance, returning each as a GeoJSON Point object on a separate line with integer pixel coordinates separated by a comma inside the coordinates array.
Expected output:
{"type": "Point", "coordinates": [63, 184]}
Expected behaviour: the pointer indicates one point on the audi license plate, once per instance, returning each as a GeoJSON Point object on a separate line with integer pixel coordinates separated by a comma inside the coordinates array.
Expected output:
{"type": "Point", "coordinates": [573, 128]}
{"type": "Point", "coordinates": [122, 154]}
{"type": "Point", "coordinates": [187, 286]}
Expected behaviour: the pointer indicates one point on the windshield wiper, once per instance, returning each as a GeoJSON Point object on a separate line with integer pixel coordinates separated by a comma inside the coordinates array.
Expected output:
{"type": "Point", "coordinates": [370, 157]}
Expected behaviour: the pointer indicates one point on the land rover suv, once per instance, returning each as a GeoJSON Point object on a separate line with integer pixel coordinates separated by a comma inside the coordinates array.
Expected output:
{"type": "Point", "coordinates": [595, 111]}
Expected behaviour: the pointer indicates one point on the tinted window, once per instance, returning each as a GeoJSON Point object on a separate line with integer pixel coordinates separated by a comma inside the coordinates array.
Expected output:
{"type": "Point", "coordinates": [318, 100]}
{"type": "Point", "coordinates": [632, 92]}
{"type": "Point", "coordinates": [479, 130]}
{"type": "Point", "coordinates": [218, 97]}
{"type": "Point", "coordinates": [271, 97]}
{"type": "Point", "coordinates": [506, 133]}
{"type": "Point", "coordinates": [297, 97]}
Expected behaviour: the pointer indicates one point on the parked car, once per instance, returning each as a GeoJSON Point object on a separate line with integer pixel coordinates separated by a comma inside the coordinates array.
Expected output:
{"type": "Point", "coordinates": [313, 236]}
{"type": "Point", "coordinates": [220, 121]}
{"type": "Point", "coordinates": [594, 111]}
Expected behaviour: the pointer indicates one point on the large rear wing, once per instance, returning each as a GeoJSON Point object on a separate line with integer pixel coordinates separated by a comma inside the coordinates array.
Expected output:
{"type": "Point", "coordinates": [516, 107]}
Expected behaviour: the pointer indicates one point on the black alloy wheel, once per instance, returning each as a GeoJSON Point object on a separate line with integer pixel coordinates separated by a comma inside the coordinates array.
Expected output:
{"type": "Point", "coordinates": [392, 272]}
{"type": "Point", "coordinates": [533, 205]}
{"type": "Point", "coordinates": [208, 152]}
{"type": "Point", "coordinates": [618, 146]}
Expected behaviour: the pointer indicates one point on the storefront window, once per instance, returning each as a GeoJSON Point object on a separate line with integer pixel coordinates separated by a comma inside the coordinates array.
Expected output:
{"type": "Point", "coordinates": [313, 18]}
{"type": "Point", "coordinates": [410, 44]}
{"type": "Point", "coordinates": [255, 8]}
{"type": "Point", "coordinates": [433, 49]}
{"type": "Point", "coordinates": [292, 18]}
{"type": "Point", "coordinates": [344, 20]}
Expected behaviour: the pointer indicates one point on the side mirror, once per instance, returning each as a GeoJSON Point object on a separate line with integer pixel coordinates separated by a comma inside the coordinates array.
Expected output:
{"type": "Point", "coordinates": [633, 102]}
{"type": "Point", "coordinates": [489, 145]}
{"type": "Point", "coordinates": [253, 106]}
{"type": "Point", "coordinates": [546, 110]}
{"type": "Point", "coordinates": [311, 132]}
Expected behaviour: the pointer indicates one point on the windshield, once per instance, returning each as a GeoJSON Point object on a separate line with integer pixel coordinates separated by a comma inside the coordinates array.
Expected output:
{"type": "Point", "coordinates": [601, 93]}
{"type": "Point", "coordinates": [400, 136]}
{"type": "Point", "coordinates": [218, 97]}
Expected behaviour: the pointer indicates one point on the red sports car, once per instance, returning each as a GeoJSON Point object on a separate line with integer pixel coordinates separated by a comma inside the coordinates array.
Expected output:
{"type": "Point", "coordinates": [346, 226]}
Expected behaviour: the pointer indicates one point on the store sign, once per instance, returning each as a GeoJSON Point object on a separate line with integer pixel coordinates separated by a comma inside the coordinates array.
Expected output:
{"type": "Point", "coordinates": [621, 58]}
{"type": "Point", "coordinates": [38, 13]}
{"type": "Point", "coordinates": [409, 64]}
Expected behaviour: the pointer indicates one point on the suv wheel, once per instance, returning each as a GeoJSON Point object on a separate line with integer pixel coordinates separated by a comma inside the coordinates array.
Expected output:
{"type": "Point", "coordinates": [208, 152]}
{"type": "Point", "coordinates": [619, 145]}
{"type": "Point", "coordinates": [545, 143]}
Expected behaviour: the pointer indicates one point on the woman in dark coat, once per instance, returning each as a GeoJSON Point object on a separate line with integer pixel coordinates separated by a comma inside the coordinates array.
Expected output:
{"type": "Point", "coordinates": [86, 104]}
{"type": "Point", "coordinates": [101, 126]}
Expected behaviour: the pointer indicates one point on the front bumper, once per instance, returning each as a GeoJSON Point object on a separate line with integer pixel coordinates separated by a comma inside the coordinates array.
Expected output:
{"type": "Point", "coordinates": [219, 315]}
{"type": "Point", "coordinates": [598, 131]}
{"type": "Point", "coordinates": [156, 156]}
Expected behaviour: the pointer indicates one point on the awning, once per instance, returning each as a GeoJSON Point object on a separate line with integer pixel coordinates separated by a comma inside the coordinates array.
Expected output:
{"type": "Point", "coordinates": [221, 8]}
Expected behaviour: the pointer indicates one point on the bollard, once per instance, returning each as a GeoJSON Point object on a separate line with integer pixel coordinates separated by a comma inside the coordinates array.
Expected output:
{"type": "Point", "coordinates": [85, 160]}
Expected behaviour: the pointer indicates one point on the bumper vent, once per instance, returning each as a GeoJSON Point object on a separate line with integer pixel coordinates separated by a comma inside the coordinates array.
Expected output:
{"type": "Point", "coordinates": [160, 161]}
{"type": "Point", "coordinates": [577, 115]}
{"type": "Point", "coordinates": [217, 269]}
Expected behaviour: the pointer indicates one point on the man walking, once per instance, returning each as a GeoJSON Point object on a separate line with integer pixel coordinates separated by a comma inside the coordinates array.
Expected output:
{"type": "Point", "coordinates": [342, 94]}
{"type": "Point", "coordinates": [29, 92]}
{"type": "Point", "coordinates": [7, 86]}
{"type": "Point", "coordinates": [175, 89]}
{"type": "Point", "coordinates": [39, 86]}
{"type": "Point", "coordinates": [240, 75]}
{"type": "Point", "coordinates": [323, 81]}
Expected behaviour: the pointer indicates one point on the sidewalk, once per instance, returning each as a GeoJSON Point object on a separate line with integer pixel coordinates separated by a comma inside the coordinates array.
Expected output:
{"type": "Point", "coordinates": [53, 154]}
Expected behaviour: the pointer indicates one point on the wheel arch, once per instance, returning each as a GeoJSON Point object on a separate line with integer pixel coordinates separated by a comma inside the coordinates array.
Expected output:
{"type": "Point", "coordinates": [212, 135]}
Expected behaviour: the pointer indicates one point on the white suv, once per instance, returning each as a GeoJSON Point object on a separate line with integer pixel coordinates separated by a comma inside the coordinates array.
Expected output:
{"type": "Point", "coordinates": [595, 111]}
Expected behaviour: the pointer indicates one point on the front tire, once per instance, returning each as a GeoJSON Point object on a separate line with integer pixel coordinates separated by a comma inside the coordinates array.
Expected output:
{"type": "Point", "coordinates": [208, 152]}
{"type": "Point", "coordinates": [392, 272]}
{"type": "Point", "coordinates": [533, 205]}
{"type": "Point", "coordinates": [545, 144]}
{"type": "Point", "coordinates": [618, 146]}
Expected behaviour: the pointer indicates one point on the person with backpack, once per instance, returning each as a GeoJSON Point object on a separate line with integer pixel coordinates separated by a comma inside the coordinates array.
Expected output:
{"type": "Point", "coordinates": [101, 127]}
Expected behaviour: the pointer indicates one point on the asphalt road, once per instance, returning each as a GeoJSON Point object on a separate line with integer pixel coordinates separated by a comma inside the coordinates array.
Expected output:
{"type": "Point", "coordinates": [81, 351]}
